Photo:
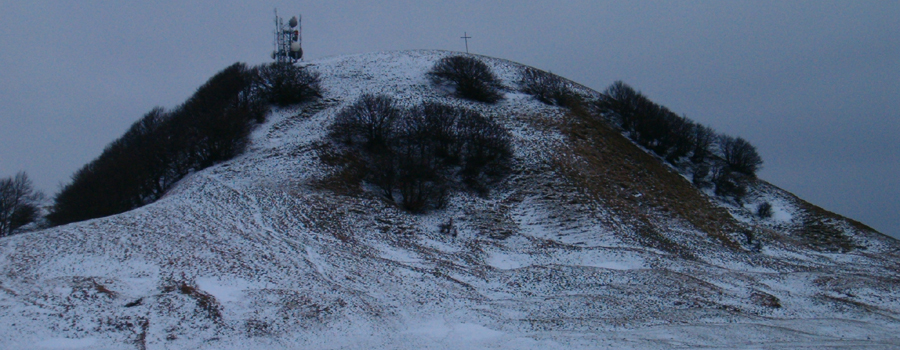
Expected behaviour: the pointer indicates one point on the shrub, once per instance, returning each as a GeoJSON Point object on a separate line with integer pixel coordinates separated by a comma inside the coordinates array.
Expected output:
{"type": "Point", "coordinates": [700, 172]}
{"type": "Point", "coordinates": [728, 184]}
{"type": "Point", "coordinates": [421, 151]}
{"type": "Point", "coordinates": [547, 88]}
{"type": "Point", "coordinates": [284, 84]}
{"type": "Point", "coordinates": [764, 210]}
{"type": "Point", "coordinates": [471, 78]}
{"type": "Point", "coordinates": [18, 203]}
{"type": "Point", "coordinates": [740, 155]}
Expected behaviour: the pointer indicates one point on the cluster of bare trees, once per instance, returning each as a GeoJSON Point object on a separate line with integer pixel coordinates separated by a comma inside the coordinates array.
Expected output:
{"type": "Point", "coordinates": [421, 153]}
{"type": "Point", "coordinates": [164, 146]}
{"type": "Point", "coordinates": [471, 78]}
{"type": "Point", "coordinates": [718, 159]}
{"type": "Point", "coordinates": [18, 203]}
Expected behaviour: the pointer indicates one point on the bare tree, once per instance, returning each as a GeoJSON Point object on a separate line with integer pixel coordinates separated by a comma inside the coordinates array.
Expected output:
{"type": "Point", "coordinates": [741, 155]}
{"type": "Point", "coordinates": [441, 125]}
{"type": "Point", "coordinates": [369, 121]}
{"type": "Point", "coordinates": [728, 183]}
{"type": "Point", "coordinates": [618, 103]}
{"type": "Point", "coordinates": [18, 203]}
{"type": "Point", "coordinates": [703, 140]}
{"type": "Point", "coordinates": [419, 168]}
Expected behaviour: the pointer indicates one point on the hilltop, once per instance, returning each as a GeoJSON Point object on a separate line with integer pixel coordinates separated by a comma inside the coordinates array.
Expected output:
{"type": "Point", "coordinates": [590, 241]}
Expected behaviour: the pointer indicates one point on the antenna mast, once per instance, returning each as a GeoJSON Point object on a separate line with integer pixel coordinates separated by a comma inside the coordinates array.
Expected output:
{"type": "Point", "coordinates": [287, 40]}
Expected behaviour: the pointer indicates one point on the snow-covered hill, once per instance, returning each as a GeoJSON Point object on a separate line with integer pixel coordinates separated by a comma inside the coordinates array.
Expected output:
{"type": "Point", "coordinates": [262, 252]}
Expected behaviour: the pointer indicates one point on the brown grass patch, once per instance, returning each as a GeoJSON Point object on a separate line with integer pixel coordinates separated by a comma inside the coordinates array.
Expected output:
{"type": "Point", "coordinates": [205, 301]}
{"type": "Point", "coordinates": [141, 340]}
{"type": "Point", "coordinates": [820, 231]}
{"type": "Point", "coordinates": [327, 216]}
{"type": "Point", "coordinates": [820, 235]}
{"type": "Point", "coordinates": [345, 177]}
{"type": "Point", "coordinates": [257, 328]}
{"type": "Point", "coordinates": [617, 174]}
{"type": "Point", "coordinates": [103, 290]}
{"type": "Point", "coordinates": [8, 291]}
{"type": "Point", "coordinates": [85, 284]}
{"type": "Point", "coordinates": [765, 299]}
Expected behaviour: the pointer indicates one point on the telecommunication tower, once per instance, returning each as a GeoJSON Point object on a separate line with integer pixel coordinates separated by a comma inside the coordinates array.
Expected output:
{"type": "Point", "coordinates": [287, 40]}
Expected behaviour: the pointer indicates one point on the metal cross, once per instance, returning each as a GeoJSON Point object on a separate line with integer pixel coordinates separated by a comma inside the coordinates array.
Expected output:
{"type": "Point", "coordinates": [466, 37]}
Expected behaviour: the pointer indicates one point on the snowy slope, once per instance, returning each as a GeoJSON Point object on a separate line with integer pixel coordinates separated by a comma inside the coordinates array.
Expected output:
{"type": "Point", "coordinates": [258, 253]}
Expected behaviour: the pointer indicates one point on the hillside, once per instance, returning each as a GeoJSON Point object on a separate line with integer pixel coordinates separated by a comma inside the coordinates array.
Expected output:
{"type": "Point", "coordinates": [591, 242]}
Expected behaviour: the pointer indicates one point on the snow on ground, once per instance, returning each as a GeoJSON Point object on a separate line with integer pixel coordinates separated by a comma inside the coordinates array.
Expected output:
{"type": "Point", "coordinates": [225, 291]}
{"type": "Point", "coordinates": [251, 254]}
{"type": "Point", "coordinates": [66, 343]}
{"type": "Point", "coordinates": [588, 258]}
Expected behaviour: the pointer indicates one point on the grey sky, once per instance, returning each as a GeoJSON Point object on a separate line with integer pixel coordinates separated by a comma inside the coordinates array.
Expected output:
{"type": "Point", "coordinates": [815, 85]}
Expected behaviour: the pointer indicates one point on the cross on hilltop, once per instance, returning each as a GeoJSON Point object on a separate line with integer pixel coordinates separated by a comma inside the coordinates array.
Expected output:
{"type": "Point", "coordinates": [466, 37]}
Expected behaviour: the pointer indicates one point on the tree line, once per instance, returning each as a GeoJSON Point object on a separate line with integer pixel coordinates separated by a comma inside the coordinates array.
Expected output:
{"type": "Point", "coordinates": [720, 160]}
{"type": "Point", "coordinates": [162, 147]}
{"type": "Point", "coordinates": [712, 159]}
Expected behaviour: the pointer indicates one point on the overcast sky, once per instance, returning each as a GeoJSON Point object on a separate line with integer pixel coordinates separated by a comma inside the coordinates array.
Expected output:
{"type": "Point", "coordinates": [815, 85]}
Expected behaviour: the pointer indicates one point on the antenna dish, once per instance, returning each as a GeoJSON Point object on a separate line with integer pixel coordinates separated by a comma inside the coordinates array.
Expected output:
{"type": "Point", "coordinates": [297, 54]}
{"type": "Point", "coordinates": [288, 47]}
